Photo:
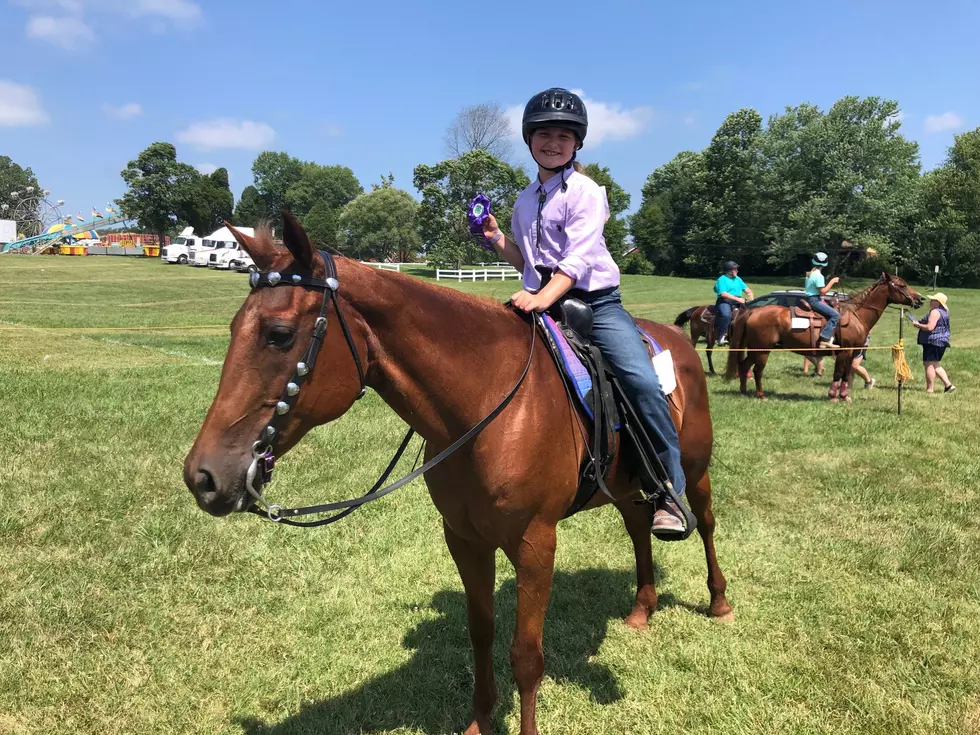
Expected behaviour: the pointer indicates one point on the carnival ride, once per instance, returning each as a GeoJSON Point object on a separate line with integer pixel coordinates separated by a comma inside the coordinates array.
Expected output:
{"type": "Point", "coordinates": [41, 225]}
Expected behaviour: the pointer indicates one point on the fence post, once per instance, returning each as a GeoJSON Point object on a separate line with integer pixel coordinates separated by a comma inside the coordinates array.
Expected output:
{"type": "Point", "coordinates": [901, 334]}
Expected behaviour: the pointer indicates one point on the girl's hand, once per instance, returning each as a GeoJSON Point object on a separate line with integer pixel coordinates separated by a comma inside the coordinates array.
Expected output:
{"type": "Point", "coordinates": [490, 227]}
{"type": "Point", "coordinates": [833, 280]}
{"type": "Point", "coordinates": [528, 302]}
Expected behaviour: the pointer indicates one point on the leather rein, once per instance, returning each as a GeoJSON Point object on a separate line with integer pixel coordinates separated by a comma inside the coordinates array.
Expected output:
{"type": "Point", "coordinates": [260, 470]}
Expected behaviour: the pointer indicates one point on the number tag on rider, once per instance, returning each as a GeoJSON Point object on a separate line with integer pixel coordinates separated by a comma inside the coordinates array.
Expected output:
{"type": "Point", "coordinates": [663, 364]}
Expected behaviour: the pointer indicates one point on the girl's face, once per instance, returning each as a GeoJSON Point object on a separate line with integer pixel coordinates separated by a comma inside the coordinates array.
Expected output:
{"type": "Point", "coordinates": [553, 147]}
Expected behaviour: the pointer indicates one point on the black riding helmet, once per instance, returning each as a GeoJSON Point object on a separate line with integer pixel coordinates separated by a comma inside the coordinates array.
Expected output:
{"type": "Point", "coordinates": [555, 107]}
{"type": "Point", "coordinates": [729, 265]}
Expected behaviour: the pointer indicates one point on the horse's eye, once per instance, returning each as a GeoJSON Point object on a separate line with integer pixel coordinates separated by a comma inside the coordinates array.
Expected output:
{"type": "Point", "coordinates": [281, 338]}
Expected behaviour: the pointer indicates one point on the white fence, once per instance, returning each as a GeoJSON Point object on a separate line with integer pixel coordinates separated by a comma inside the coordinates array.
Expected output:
{"type": "Point", "coordinates": [397, 267]}
{"type": "Point", "coordinates": [477, 274]}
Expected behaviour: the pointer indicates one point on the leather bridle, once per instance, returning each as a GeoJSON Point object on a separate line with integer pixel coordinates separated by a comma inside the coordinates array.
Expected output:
{"type": "Point", "coordinates": [263, 449]}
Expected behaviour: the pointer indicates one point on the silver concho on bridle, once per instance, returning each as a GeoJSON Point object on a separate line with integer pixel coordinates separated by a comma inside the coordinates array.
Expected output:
{"type": "Point", "coordinates": [263, 459]}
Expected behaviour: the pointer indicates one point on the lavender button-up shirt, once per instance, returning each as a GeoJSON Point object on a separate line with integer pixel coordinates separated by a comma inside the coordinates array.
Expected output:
{"type": "Point", "coordinates": [571, 232]}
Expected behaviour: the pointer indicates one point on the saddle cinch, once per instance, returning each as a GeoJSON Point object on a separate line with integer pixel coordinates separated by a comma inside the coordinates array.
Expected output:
{"type": "Point", "coordinates": [590, 381]}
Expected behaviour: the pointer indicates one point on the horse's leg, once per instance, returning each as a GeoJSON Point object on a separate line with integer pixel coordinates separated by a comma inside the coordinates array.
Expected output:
{"type": "Point", "coordinates": [743, 372]}
{"type": "Point", "coordinates": [842, 372]}
{"type": "Point", "coordinates": [711, 366]}
{"type": "Point", "coordinates": [760, 365]}
{"type": "Point", "coordinates": [638, 519]}
{"type": "Point", "coordinates": [534, 560]}
{"type": "Point", "coordinates": [476, 569]}
{"type": "Point", "coordinates": [699, 496]}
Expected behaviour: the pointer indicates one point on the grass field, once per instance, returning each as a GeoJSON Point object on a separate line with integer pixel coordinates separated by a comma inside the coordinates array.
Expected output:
{"type": "Point", "coordinates": [850, 538]}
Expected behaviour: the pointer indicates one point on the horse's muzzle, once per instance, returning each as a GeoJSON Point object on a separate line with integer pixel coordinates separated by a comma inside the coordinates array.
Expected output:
{"type": "Point", "coordinates": [213, 494]}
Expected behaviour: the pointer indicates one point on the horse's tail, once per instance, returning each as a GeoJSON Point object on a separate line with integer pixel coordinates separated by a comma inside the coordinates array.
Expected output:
{"type": "Point", "coordinates": [685, 316]}
{"type": "Point", "coordinates": [737, 345]}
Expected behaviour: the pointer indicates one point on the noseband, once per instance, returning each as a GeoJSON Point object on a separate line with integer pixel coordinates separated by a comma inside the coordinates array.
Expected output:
{"type": "Point", "coordinates": [263, 454]}
{"type": "Point", "coordinates": [263, 450]}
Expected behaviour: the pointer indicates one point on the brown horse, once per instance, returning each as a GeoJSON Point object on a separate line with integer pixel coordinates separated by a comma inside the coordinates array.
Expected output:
{"type": "Point", "coordinates": [702, 321]}
{"type": "Point", "coordinates": [442, 359]}
{"type": "Point", "coordinates": [766, 327]}
{"type": "Point", "coordinates": [700, 327]}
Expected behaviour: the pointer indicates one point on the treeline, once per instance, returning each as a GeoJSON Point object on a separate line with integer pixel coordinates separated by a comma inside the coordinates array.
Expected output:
{"type": "Point", "coordinates": [842, 181]}
{"type": "Point", "coordinates": [845, 181]}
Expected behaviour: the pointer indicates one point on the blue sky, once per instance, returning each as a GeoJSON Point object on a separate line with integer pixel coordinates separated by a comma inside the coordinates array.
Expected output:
{"type": "Point", "coordinates": [87, 84]}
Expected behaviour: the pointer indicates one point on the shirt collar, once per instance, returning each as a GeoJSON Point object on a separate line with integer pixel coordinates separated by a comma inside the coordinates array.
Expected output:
{"type": "Point", "coordinates": [551, 184]}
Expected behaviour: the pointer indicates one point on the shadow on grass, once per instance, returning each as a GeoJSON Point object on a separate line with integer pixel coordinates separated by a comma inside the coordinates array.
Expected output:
{"type": "Point", "coordinates": [432, 692]}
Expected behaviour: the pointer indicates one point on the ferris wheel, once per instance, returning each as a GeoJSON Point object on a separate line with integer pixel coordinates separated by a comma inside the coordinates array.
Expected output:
{"type": "Point", "coordinates": [33, 211]}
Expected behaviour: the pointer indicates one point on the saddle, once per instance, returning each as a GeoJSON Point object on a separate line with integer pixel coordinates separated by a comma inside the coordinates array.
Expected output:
{"type": "Point", "coordinates": [803, 312]}
{"type": "Point", "coordinates": [590, 382]}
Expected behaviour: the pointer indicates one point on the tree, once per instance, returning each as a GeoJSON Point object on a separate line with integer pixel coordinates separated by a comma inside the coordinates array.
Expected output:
{"type": "Point", "coordinates": [949, 236]}
{"type": "Point", "coordinates": [251, 208]}
{"type": "Point", "coordinates": [446, 189]}
{"type": "Point", "coordinates": [480, 128]}
{"type": "Point", "coordinates": [274, 173]}
{"type": "Point", "coordinates": [321, 224]}
{"type": "Point", "coordinates": [381, 225]}
{"type": "Point", "coordinates": [13, 178]}
{"type": "Point", "coordinates": [158, 188]}
{"type": "Point", "coordinates": [334, 186]}
{"type": "Point", "coordinates": [848, 174]}
{"type": "Point", "coordinates": [666, 214]}
{"type": "Point", "coordinates": [615, 229]}
{"type": "Point", "coordinates": [207, 203]}
{"type": "Point", "coordinates": [730, 213]}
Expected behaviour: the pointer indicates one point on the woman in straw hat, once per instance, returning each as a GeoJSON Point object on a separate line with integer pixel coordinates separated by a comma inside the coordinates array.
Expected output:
{"type": "Point", "coordinates": [934, 338]}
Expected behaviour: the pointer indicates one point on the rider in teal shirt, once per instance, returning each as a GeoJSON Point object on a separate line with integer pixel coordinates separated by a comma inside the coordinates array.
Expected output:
{"type": "Point", "coordinates": [814, 288]}
{"type": "Point", "coordinates": [729, 289]}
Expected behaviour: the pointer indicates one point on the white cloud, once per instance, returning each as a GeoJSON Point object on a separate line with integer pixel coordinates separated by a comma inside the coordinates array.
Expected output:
{"type": "Point", "coordinates": [206, 168]}
{"type": "Point", "coordinates": [690, 120]}
{"type": "Point", "coordinates": [607, 120]}
{"type": "Point", "coordinates": [124, 112]}
{"type": "Point", "coordinates": [332, 131]}
{"type": "Point", "coordinates": [20, 106]}
{"type": "Point", "coordinates": [67, 32]}
{"type": "Point", "coordinates": [182, 11]}
{"type": "Point", "coordinates": [224, 133]}
{"type": "Point", "coordinates": [942, 123]}
{"type": "Point", "coordinates": [70, 23]}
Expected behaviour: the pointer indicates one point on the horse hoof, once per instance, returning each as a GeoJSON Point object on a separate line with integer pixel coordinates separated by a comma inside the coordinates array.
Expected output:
{"type": "Point", "coordinates": [760, 396]}
{"type": "Point", "coordinates": [638, 620]}
{"type": "Point", "coordinates": [727, 619]}
{"type": "Point", "coordinates": [835, 399]}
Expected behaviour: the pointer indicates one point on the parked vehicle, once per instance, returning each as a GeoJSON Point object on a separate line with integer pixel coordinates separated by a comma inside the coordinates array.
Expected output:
{"type": "Point", "coordinates": [220, 239]}
{"type": "Point", "coordinates": [790, 297]}
{"type": "Point", "coordinates": [178, 251]}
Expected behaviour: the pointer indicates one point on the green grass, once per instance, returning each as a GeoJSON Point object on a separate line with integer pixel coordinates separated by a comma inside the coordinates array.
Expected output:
{"type": "Point", "coordinates": [849, 537]}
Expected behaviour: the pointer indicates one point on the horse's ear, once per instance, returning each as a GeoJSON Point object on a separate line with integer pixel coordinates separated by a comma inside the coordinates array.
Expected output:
{"type": "Point", "coordinates": [296, 240]}
{"type": "Point", "coordinates": [260, 249]}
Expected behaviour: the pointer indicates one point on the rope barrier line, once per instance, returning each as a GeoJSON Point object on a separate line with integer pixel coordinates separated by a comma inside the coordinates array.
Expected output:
{"type": "Point", "coordinates": [187, 327]}
{"type": "Point", "coordinates": [727, 348]}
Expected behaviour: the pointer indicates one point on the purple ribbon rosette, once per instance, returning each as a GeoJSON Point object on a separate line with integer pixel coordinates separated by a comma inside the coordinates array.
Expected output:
{"type": "Point", "coordinates": [477, 213]}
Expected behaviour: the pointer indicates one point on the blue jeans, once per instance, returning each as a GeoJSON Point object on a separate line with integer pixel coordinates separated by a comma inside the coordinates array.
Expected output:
{"type": "Point", "coordinates": [832, 316]}
{"type": "Point", "coordinates": [724, 307]}
{"type": "Point", "coordinates": [614, 333]}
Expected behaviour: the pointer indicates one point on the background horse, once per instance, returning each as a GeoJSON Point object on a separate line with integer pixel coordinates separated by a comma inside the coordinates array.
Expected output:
{"type": "Point", "coordinates": [766, 327]}
{"type": "Point", "coordinates": [443, 360]}
{"type": "Point", "coordinates": [700, 328]}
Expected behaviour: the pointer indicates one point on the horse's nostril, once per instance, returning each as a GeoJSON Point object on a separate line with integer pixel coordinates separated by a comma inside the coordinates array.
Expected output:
{"type": "Point", "coordinates": [204, 482]}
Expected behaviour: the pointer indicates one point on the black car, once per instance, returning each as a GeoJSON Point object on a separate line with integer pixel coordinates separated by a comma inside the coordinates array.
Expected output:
{"type": "Point", "coordinates": [790, 297]}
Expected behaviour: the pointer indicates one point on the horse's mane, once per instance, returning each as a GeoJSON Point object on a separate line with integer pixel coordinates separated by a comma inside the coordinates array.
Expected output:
{"type": "Point", "coordinates": [857, 299]}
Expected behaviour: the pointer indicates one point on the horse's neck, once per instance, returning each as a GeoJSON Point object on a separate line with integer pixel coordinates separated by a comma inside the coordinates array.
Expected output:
{"type": "Point", "coordinates": [871, 305]}
{"type": "Point", "coordinates": [437, 356]}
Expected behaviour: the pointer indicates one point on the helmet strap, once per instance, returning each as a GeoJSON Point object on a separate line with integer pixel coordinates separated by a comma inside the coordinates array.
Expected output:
{"type": "Point", "coordinates": [557, 169]}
